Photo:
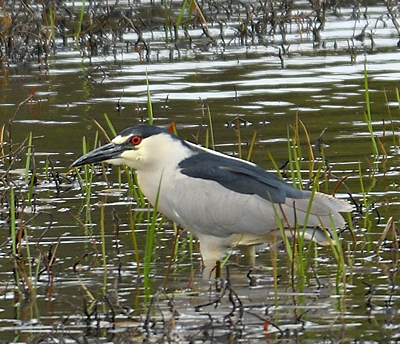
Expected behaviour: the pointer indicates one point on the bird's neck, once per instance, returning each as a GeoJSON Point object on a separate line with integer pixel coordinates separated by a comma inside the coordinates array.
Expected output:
{"type": "Point", "coordinates": [158, 173]}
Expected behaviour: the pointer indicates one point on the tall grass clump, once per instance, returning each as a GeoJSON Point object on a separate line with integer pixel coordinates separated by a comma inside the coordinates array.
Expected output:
{"type": "Point", "coordinates": [299, 252]}
{"type": "Point", "coordinates": [144, 264]}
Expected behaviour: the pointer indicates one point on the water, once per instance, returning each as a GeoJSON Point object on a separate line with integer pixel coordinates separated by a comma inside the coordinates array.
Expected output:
{"type": "Point", "coordinates": [322, 84]}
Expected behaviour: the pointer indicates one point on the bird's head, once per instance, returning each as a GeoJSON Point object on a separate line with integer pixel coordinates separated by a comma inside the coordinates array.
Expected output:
{"type": "Point", "coordinates": [139, 147]}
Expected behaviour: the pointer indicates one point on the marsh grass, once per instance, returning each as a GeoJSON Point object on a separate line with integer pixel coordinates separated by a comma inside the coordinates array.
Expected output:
{"type": "Point", "coordinates": [90, 26]}
{"type": "Point", "coordinates": [301, 254]}
{"type": "Point", "coordinates": [127, 177]}
{"type": "Point", "coordinates": [367, 183]}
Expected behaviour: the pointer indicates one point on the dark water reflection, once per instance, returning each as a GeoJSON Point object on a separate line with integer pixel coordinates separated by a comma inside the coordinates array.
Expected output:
{"type": "Point", "coordinates": [322, 85]}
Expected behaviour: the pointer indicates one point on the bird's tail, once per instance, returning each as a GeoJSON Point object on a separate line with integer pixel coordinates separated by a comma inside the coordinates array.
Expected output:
{"type": "Point", "coordinates": [314, 221]}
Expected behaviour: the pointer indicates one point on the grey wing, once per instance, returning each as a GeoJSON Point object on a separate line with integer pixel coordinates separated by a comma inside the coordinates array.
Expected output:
{"type": "Point", "coordinates": [205, 206]}
{"type": "Point", "coordinates": [239, 176]}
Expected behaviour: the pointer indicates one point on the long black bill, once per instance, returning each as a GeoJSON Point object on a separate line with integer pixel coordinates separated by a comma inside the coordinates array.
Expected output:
{"type": "Point", "coordinates": [107, 152]}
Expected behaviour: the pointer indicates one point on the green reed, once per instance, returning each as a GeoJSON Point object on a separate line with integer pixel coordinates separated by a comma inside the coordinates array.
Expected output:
{"type": "Point", "coordinates": [274, 164]}
{"type": "Point", "coordinates": [14, 239]}
{"type": "Point", "coordinates": [150, 235]}
{"type": "Point", "coordinates": [28, 157]}
{"type": "Point", "coordinates": [80, 20]}
{"type": "Point", "coordinates": [149, 103]}
{"type": "Point", "coordinates": [171, 25]}
{"type": "Point", "coordinates": [29, 168]}
{"type": "Point", "coordinates": [186, 5]}
{"type": "Point", "coordinates": [367, 113]}
{"type": "Point", "coordinates": [103, 247]}
{"type": "Point", "coordinates": [252, 146]}
{"type": "Point", "coordinates": [293, 157]}
{"type": "Point", "coordinates": [391, 118]}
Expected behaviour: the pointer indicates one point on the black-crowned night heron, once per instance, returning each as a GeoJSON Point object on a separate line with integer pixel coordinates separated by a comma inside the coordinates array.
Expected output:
{"type": "Point", "coordinates": [224, 201]}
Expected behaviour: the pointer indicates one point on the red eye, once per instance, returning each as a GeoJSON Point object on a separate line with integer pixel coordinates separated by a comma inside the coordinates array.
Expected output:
{"type": "Point", "coordinates": [135, 140]}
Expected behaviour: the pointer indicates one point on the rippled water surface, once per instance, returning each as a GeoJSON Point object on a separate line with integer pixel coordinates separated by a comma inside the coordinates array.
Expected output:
{"type": "Point", "coordinates": [78, 276]}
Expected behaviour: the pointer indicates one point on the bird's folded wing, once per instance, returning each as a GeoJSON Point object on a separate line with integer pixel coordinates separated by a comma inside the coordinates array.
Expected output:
{"type": "Point", "coordinates": [239, 176]}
